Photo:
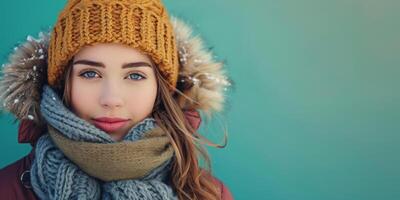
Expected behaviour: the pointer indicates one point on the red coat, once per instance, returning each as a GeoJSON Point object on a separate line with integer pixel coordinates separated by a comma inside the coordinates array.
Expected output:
{"type": "Point", "coordinates": [14, 178]}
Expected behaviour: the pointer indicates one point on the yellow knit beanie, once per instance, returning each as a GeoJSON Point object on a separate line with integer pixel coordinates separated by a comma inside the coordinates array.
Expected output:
{"type": "Point", "coordinates": [141, 24]}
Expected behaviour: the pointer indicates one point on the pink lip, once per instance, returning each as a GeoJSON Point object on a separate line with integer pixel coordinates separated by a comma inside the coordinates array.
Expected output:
{"type": "Point", "coordinates": [109, 124]}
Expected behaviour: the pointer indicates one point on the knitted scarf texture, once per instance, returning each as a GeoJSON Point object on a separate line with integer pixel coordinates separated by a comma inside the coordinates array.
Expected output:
{"type": "Point", "coordinates": [55, 176]}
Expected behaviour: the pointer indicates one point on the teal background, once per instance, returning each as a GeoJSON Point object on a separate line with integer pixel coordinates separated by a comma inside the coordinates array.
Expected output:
{"type": "Point", "coordinates": [315, 109]}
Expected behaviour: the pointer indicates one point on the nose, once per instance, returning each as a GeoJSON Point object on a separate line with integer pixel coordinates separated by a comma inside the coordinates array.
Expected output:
{"type": "Point", "coordinates": [111, 95]}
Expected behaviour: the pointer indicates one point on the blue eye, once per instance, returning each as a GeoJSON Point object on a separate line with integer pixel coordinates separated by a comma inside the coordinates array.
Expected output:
{"type": "Point", "coordinates": [136, 76]}
{"type": "Point", "coordinates": [88, 74]}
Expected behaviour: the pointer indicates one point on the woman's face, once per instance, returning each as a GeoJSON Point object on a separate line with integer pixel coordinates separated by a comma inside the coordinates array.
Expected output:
{"type": "Point", "coordinates": [110, 81]}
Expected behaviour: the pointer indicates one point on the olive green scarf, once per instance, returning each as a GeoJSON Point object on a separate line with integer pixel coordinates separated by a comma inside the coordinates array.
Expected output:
{"type": "Point", "coordinates": [116, 161]}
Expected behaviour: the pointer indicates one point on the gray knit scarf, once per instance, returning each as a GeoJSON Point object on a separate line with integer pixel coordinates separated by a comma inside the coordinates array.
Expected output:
{"type": "Point", "coordinates": [54, 176]}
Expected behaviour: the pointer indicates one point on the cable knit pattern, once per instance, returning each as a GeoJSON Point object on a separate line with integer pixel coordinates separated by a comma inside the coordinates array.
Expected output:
{"type": "Point", "coordinates": [141, 24]}
{"type": "Point", "coordinates": [54, 176]}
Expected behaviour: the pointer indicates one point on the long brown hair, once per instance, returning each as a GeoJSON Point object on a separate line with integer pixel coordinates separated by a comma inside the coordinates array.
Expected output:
{"type": "Point", "coordinates": [189, 180]}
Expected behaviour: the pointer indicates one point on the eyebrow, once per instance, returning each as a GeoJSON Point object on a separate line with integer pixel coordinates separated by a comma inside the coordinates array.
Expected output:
{"type": "Point", "coordinates": [100, 64]}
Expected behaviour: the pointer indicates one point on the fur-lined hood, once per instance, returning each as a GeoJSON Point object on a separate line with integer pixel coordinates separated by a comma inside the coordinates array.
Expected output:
{"type": "Point", "coordinates": [203, 78]}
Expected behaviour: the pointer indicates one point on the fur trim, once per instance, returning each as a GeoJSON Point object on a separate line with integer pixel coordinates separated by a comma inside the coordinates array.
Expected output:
{"type": "Point", "coordinates": [201, 81]}
{"type": "Point", "coordinates": [207, 80]}
{"type": "Point", "coordinates": [23, 77]}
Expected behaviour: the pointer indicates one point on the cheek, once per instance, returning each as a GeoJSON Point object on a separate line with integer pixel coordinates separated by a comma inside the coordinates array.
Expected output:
{"type": "Point", "coordinates": [141, 102]}
{"type": "Point", "coordinates": [82, 98]}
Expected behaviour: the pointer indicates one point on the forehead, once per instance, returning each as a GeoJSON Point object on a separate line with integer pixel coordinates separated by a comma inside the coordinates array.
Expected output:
{"type": "Point", "coordinates": [111, 52]}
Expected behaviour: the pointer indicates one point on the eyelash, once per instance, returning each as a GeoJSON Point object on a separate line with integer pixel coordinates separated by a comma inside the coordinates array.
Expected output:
{"type": "Point", "coordinates": [86, 72]}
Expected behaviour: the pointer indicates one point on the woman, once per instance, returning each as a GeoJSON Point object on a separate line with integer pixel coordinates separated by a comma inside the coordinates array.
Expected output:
{"type": "Point", "coordinates": [110, 105]}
